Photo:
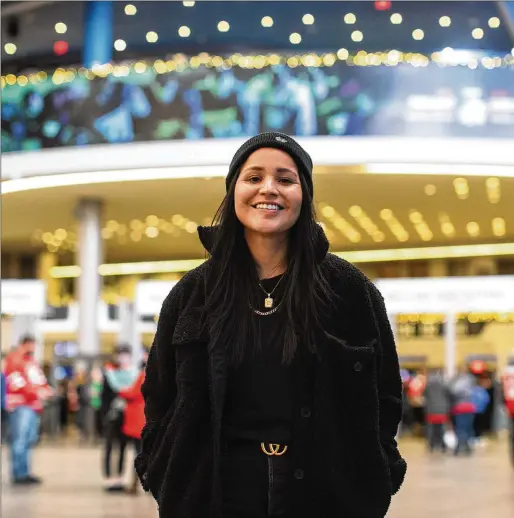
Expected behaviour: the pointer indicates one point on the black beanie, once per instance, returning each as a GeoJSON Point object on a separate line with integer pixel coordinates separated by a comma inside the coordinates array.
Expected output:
{"type": "Point", "coordinates": [275, 140]}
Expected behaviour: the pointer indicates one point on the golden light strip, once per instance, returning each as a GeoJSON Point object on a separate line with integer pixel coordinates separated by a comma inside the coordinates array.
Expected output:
{"type": "Point", "coordinates": [362, 256]}
{"type": "Point", "coordinates": [367, 223]}
{"type": "Point", "coordinates": [447, 227]}
{"type": "Point", "coordinates": [340, 223]}
{"type": "Point", "coordinates": [420, 225]}
{"type": "Point", "coordinates": [394, 225]}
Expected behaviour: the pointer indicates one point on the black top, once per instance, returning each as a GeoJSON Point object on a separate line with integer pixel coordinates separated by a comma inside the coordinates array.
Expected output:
{"type": "Point", "coordinates": [259, 404]}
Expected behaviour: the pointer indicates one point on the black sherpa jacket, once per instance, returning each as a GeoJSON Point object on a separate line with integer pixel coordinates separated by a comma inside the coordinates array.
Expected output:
{"type": "Point", "coordinates": [344, 453]}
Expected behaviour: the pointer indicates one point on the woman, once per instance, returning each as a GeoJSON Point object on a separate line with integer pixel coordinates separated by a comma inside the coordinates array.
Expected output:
{"type": "Point", "coordinates": [272, 386]}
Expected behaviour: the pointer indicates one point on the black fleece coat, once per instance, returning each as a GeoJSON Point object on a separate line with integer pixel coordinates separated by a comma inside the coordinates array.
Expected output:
{"type": "Point", "coordinates": [345, 457]}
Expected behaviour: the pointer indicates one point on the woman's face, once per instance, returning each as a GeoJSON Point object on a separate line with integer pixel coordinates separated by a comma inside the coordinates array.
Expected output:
{"type": "Point", "coordinates": [268, 192]}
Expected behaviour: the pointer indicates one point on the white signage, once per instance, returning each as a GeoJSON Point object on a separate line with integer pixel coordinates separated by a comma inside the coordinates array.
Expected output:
{"type": "Point", "coordinates": [493, 293]}
{"type": "Point", "coordinates": [23, 297]}
{"type": "Point", "coordinates": [150, 295]}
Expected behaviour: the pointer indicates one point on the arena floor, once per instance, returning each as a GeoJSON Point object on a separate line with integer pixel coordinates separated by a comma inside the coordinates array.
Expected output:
{"type": "Point", "coordinates": [478, 487]}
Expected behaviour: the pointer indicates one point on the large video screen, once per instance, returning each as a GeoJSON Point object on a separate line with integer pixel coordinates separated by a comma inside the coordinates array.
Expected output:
{"type": "Point", "coordinates": [216, 103]}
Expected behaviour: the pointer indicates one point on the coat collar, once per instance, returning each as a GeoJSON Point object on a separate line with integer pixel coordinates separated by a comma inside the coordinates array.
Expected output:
{"type": "Point", "coordinates": [208, 235]}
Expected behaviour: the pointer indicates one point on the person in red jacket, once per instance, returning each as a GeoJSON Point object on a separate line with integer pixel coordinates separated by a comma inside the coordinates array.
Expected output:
{"type": "Point", "coordinates": [508, 397]}
{"type": "Point", "coordinates": [26, 391]}
{"type": "Point", "coordinates": [134, 417]}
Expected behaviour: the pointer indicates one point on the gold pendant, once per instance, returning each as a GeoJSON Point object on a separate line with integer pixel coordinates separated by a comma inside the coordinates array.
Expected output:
{"type": "Point", "coordinates": [268, 302]}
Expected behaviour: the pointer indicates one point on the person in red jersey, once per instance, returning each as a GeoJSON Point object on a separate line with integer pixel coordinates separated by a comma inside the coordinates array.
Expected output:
{"type": "Point", "coordinates": [26, 391]}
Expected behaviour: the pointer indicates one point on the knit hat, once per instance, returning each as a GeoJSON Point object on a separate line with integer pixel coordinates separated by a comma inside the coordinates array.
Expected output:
{"type": "Point", "coordinates": [278, 141]}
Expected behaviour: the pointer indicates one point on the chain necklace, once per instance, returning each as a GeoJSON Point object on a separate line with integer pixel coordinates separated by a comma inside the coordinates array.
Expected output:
{"type": "Point", "coordinates": [266, 313]}
{"type": "Point", "coordinates": [268, 301]}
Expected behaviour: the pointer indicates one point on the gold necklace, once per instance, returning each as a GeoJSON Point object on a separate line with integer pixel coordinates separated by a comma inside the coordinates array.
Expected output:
{"type": "Point", "coordinates": [268, 301]}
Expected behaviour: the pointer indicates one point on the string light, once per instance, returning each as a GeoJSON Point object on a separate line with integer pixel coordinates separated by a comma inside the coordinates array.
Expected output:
{"type": "Point", "coordinates": [60, 28]}
{"type": "Point", "coordinates": [357, 36]}
{"type": "Point", "coordinates": [10, 48]}
{"type": "Point", "coordinates": [130, 10]}
{"type": "Point", "coordinates": [267, 21]}
{"type": "Point", "coordinates": [295, 38]}
{"type": "Point", "coordinates": [396, 18]}
{"type": "Point", "coordinates": [223, 26]}
{"type": "Point", "coordinates": [418, 34]}
{"type": "Point", "coordinates": [152, 37]}
{"type": "Point", "coordinates": [120, 45]}
{"type": "Point", "coordinates": [477, 33]}
{"type": "Point", "coordinates": [308, 19]}
{"type": "Point", "coordinates": [494, 22]}
{"type": "Point", "coordinates": [445, 21]}
{"type": "Point", "coordinates": [350, 18]}
{"type": "Point", "coordinates": [180, 62]}
{"type": "Point", "coordinates": [184, 31]}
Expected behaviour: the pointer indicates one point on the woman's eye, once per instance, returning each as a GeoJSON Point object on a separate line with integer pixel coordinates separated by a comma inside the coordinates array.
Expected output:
{"type": "Point", "coordinates": [287, 181]}
{"type": "Point", "coordinates": [254, 179]}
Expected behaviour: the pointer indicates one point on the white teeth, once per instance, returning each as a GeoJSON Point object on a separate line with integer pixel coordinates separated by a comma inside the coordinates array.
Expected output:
{"type": "Point", "coordinates": [269, 206]}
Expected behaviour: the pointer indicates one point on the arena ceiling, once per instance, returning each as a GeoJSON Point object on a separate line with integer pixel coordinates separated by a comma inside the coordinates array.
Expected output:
{"type": "Point", "coordinates": [156, 220]}
{"type": "Point", "coordinates": [250, 26]}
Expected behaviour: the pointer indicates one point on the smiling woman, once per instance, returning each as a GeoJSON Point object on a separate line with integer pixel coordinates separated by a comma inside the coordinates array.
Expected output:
{"type": "Point", "coordinates": [272, 386]}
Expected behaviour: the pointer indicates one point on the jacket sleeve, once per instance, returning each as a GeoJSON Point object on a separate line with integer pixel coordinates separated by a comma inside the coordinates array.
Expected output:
{"type": "Point", "coordinates": [134, 391]}
{"type": "Point", "coordinates": [159, 388]}
{"type": "Point", "coordinates": [389, 391]}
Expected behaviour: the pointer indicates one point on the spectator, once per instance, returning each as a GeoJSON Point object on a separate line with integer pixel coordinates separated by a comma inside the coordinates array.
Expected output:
{"type": "Point", "coordinates": [27, 389]}
{"type": "Point", "coordinates": [134, 418]}
{"type": "Point", "coordinates": [118, 375]}
{"type": "Point", "coordinates": [463, 410]}
{"type": "Point", "coordinates": [437, 409]}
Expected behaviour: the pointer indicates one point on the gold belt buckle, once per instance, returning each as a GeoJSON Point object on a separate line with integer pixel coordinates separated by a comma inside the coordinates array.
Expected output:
{"type": "Point", "coordinates": [276, 450]}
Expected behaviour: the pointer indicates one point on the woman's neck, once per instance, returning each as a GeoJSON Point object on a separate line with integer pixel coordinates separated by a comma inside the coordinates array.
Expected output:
{"type": "Point", "coordinates": [269, 253]}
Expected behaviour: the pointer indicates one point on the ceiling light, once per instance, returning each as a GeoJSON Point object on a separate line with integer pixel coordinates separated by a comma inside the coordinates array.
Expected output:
{"type": "Point", "coordinates": [477, 33]}
{"type": "Point", "coordinates": [418, 34]}
{"type": "Point", "coordinates": [357, 36]}
{"type": "Point", "coordinates": [223, 26]}
{"type": "Point", "coordinates": [130, 10]}
{"type": "Point", "coordinates": [445, 21]}
{"type": "Point", "coordinates": [184, 31]}
{"type": "Point", "coordinates": [308, 19]}
{"type": "Point", "coordinates": [396, 18]}
{"type": "Point", "coordinates": [60, 28]}
{"type": "Point", "coordinates": [188, 4]}
{"type": "Point", "coordinates": [350, 18]}
{"type": "Point", "coordinates": [386, 214]}
{"type": "Point", "coordinates": [152, 37]}
{"type": "Point", "coordinates": [152, 232]}
{"type": "Point", "coordinates": [267, 21]}
{"type": "Point", "coordinates": [10, 48]}
{"type": "Point", "coordinates": [360, 256]}
{"type": "Point", "coordinates": [494, 22]}
{"type": "Point", "coordinates": [120, 45]}
{"type": "Point", "coordinates": [295, 38]}
{"type": "Point", "coordinates": [430, 189]}
{"type": "Point", "coordinates": [473, 228]}
{"type": "Point", "coordinates": [342, 54]}
{"type": "Point", "coordinates": [498, 225]}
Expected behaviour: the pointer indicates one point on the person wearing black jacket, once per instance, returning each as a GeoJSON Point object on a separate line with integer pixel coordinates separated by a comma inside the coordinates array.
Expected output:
{"type": "Point", "coordinates": [272, 386]}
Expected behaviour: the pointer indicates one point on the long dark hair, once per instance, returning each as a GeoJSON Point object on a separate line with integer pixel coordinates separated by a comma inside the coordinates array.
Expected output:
{"type": "Point", "coordinates": [232, 284]}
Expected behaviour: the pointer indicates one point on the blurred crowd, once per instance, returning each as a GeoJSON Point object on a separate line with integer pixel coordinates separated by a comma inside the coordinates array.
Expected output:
{"type": "Point", "coordinates": [101, 404]}
{"type": "Point", "coordinates": [458, 413]}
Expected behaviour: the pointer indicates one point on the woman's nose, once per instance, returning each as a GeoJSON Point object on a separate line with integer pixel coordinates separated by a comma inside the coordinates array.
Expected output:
{"type": "Point", "coordinates": [269, 185]}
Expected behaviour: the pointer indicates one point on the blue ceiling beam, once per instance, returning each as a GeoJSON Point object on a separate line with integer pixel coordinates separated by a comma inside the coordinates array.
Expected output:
{"type": "Point", "coordinates": [507, 13]}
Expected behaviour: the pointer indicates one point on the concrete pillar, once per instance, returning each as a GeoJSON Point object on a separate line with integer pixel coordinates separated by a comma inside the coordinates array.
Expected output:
{"type": "Point", "coordinates": [450, 345]}
{"type": "Point", "coordinates": [98, 40]}
{"type": "Point", "coordinates": [45, 262]}
{"type": "Point", "coordinates": [128, 329]}
{"type": "Point", "coordinates": [89, 281]}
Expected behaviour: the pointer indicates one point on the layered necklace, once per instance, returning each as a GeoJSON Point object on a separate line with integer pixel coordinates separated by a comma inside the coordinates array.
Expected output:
{"type": "Point", "coordinates": [269, 301]}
